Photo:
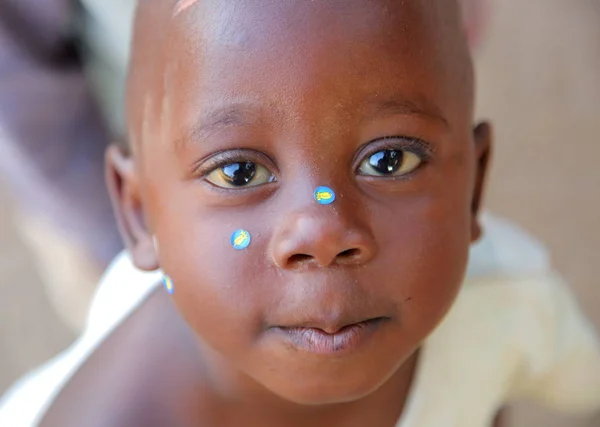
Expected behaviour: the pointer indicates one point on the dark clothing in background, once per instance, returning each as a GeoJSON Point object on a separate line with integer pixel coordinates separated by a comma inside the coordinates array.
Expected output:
{"type": "Point", "coordinates": [52, 135]}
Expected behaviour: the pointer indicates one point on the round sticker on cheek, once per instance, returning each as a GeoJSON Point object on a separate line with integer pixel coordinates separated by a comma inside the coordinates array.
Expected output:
{"type": "Point", "coordinates": [168, 284]}
{"type": "Point", "coordinates": [240, 239]}
{"type": "Point", "coordinates": [324, 195]}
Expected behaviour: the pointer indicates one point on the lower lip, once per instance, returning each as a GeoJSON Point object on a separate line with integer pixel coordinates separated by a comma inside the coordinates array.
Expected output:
{"type": "Point", "coordinates": [348, 339]}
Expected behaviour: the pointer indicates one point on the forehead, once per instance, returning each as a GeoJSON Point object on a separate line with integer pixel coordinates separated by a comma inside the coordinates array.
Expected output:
{"type": "Point", "coordinates": [323, 53]}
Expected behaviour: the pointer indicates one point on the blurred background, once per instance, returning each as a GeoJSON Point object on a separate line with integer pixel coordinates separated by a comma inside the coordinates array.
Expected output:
{"type": "Point", "coordinates": [538, 70]}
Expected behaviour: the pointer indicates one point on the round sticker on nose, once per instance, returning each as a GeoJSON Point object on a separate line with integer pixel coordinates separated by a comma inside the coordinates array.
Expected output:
{"type": "Point", "coordinates": [240, 239]}
{"type": "Point", "coordinates": [324, 195]}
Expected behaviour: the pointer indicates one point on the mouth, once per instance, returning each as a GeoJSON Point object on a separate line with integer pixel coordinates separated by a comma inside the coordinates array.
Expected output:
{"type": "Point", "coordinates": [331, 340]}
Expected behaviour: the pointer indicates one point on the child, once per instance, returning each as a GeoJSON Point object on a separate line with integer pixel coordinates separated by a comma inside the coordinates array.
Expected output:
{"type": "Point", "coordinates": [334, 137]}
{"type": "Point", "coordinates": [73, 53]}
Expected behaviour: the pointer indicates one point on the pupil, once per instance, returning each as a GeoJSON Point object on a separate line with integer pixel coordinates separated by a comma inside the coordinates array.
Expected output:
{"type": "Point", "coordinates": [239, 174]}
{"type": "Point", "coordinates": [386, 162]}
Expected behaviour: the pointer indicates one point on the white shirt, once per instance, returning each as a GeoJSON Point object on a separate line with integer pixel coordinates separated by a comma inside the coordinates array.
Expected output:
{"type": "Point", "coordinates": [514, 331]}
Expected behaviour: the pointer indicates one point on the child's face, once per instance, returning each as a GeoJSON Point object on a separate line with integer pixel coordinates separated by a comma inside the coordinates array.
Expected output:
{"type": "Point", "coordinates": [260, 103]}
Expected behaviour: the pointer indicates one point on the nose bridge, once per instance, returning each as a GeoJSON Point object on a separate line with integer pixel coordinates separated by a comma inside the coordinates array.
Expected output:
{"type": "Point", "coordinates": [314, 234]}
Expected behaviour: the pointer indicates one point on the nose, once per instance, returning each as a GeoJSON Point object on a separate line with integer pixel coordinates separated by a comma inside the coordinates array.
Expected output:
{"type": "Point", "coordinates": [321, 236]}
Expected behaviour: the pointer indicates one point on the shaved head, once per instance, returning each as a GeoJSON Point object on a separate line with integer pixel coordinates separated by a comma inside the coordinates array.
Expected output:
{"type": "Point", "coordinates": [158, 28]}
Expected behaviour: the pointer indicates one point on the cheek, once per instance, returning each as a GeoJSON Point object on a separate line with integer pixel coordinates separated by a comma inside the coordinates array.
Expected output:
{"type": "Point", "coordinates": [428, 247]}
{"type": "Point", "coordinates": [216, 289]}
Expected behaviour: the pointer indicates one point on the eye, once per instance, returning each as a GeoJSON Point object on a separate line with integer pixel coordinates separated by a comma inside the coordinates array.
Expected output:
{"type": "Point", "coordinates": [390, 163]}
{"type": "Point", "coordinates": [240, 175]}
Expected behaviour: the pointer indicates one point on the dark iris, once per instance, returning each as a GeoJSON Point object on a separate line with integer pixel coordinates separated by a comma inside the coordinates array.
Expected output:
{"type": "Point", "coordinates": [239, 174]}
{"type": "Point", "coordinates": [386, 162]}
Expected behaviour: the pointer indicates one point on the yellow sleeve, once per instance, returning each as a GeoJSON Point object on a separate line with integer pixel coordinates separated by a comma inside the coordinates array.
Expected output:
{"type": "Point", "coordinates": [561, 358]}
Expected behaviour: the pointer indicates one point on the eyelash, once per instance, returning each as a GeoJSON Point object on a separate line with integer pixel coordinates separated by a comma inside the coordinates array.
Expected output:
{"type": "Point", "coordinates": [414, 145]}
{"type": "Point", "coordinates": [220, 159]}
{"type": "Point", "coordinates": [224, 158]}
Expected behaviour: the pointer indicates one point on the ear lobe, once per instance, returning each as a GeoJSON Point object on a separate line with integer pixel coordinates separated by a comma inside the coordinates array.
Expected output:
{"type": "Point", "coordinates": [483, 147]}
{"type": "Point", "coordinates": [123, 186]}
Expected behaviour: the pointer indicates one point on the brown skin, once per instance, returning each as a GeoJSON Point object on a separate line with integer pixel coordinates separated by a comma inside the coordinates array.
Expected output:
{"type": "Point", "coordinates": [308, 100]}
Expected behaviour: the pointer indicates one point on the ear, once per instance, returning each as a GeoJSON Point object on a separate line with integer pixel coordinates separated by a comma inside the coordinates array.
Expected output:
{"type": "Point", "coordinates": [123, 186]}
{"type": "Point", "coordinates": [482, 135]}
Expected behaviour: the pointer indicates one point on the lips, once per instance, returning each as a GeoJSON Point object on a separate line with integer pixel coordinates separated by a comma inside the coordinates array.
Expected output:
{"type": "Point", "coordinates": [331, 339]}
{"type": "Point", "coordinates": [327, 314]}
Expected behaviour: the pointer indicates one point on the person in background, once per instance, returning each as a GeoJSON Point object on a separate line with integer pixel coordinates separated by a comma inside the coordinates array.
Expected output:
{"type": "Point", "coordinates": [62, 69]}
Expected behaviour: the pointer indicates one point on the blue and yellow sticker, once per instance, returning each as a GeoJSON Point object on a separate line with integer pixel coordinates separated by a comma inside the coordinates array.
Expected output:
{"type": "Point", "coordinates": [324, 195]}
{"type": "Point", "coordinates": [168, 284]}
{"type": "Point", "coordinates": [240, 239]}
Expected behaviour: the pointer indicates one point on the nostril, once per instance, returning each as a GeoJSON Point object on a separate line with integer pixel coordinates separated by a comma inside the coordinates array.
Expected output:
{"type": "Point", "coordinates": [349, 254]}
{"type": "Point", "coordinates": [299, 259]}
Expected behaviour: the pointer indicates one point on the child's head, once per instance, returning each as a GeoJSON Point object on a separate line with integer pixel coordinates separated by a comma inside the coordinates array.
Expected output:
{"type": "Point", "coordinates": [238, 110]}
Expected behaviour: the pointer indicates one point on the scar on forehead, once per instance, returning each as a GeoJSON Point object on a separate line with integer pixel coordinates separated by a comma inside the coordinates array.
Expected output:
{"type": "Point", "coordinates": [183, 5]}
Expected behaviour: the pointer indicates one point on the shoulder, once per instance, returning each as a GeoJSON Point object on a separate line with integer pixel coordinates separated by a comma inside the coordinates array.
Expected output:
{"type": "Point", "coordinates": [119, 293]}
{"type": "Point", "coordinates": [119, 378]}
{"type": "Point", "coordinates": [529, 311]}
{"type": "Point", "coordinates": [527, 337]}
{"type": "Point", "coordinates": [138, 376]}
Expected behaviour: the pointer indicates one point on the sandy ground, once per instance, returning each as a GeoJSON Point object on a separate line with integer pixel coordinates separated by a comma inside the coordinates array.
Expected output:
{"type": "Point", "coordinates": [539, 81]}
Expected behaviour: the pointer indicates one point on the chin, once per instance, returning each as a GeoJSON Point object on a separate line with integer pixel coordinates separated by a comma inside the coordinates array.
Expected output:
{"type": "Point", "coordinates": [319, 388]}
{"type": "Point", "coordinates": [328, 394]}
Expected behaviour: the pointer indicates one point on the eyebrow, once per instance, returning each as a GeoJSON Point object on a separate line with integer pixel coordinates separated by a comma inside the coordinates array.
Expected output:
{"type": "Point", "coordinates": [405, 106]}
{"type": "Point", "coordinates": [183, 5]}
{"type": "Point", "coordinates": [246, 114]}
{"type": "Point", "coordinates": [236, 115]}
